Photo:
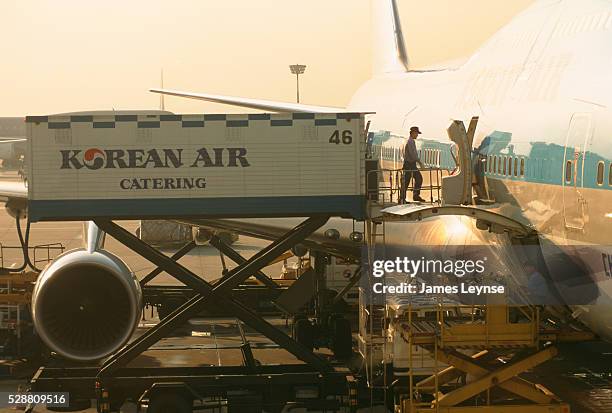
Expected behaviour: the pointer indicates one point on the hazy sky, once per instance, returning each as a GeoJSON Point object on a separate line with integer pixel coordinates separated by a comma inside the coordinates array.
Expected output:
{"type": "Point", "coordinates": [68, 55]}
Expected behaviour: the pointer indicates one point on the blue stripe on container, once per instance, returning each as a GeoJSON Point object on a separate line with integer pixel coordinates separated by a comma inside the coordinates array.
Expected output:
{"type": "Point", "coordinates": [58, 125]}
{"type": "Point", "coordinates": [126, 118]}
{"type": "Point", "coordinates": [281, 122]}
{"type": "Point", "coordinates": [349, 206]}
{"type": "Point", "coordinates": [37, 119]}
{"type": "Point", "coordinates": [348, 116]}
{"type": "Point", "coordinates": [237, 123]}
{"type": "Point", "coordinates": [103, 125]}
{"type": "Point", "coordinates": [214, 117]}
{"type": "Point", "coordinates": [193, 124]}
{"type": "Point", "coordinates": [303, 116]}
{"type": "Point", "coordinates": [148, 124]}
{"type": "Point", "coordinates": [259, 116]}
{"type": "Point", "coordinates": [81, 118]}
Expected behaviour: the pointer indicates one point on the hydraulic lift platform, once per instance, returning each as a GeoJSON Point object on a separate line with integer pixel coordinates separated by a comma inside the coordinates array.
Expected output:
{"type": "Point", "coordinates": [481, 343]}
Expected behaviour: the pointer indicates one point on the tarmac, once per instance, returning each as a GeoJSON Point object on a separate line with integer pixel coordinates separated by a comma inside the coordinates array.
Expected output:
{"type": "Point", "coordinates": [581, 374]}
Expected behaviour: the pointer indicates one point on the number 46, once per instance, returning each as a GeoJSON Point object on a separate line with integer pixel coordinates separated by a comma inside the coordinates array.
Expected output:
{"type": "Point", "coordinates": [347, 137]}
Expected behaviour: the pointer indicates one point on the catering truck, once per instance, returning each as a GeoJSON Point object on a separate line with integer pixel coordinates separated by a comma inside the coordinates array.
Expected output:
{"type": "Point", "coordinates": [102, 167]}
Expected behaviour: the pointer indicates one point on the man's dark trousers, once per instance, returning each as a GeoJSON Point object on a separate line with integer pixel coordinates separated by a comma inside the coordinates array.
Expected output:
{"type": "Point", "coordinates": [411, 171]}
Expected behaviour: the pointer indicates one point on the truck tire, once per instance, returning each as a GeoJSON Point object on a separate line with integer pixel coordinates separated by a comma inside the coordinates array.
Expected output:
{"type": "Point", "coordinates": [303, 333]}
{"type": "Point", "coordinates": [169, 403]}
{"type": "Point", "coordinates": [342, 341]}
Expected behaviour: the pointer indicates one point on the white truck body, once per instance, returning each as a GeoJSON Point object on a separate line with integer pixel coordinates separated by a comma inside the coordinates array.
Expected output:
{"type": "Point", "coordinates": [167, 165]}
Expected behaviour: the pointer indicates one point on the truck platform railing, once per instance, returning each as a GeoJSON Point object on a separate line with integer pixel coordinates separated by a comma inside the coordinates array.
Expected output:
{"type": "Point", "coordinates": [384, 186]}
{"type": "Point", "coordinates": [41, 253]}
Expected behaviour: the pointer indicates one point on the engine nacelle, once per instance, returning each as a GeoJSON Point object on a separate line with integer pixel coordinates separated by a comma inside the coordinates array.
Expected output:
{"type": "Point", "coordinates": [86, 305]}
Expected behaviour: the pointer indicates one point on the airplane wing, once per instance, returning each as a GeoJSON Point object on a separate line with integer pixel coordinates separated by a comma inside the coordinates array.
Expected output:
{"type": "Point", "coordinates": [267, 105]}
{"type": "Point", "coordinates": [13, 190]}
{"type": "Point", "coordinates": [12, 140]}
{"type": "Point", "coordinates": [15, 196]}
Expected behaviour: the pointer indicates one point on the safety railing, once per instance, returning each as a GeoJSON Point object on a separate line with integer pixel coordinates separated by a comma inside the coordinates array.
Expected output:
{"type": "Point", "coordinates": [473, 325]}
{"type": "Point", "coordinates": [41, 253]}
{"type": "Point", "coordinates": [384, 186]}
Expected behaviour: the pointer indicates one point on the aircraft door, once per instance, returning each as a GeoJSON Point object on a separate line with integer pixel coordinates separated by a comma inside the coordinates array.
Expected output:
{"type": "Point", "coordinates": [578, 135]}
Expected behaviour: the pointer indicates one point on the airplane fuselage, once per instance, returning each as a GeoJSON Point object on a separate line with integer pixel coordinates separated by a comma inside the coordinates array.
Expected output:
{"type": "Point", "coordinates": [542, 89]}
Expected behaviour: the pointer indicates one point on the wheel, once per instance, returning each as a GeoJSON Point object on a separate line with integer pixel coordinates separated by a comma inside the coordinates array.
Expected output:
{"type": "Point", "coordinates": [342, 339]}
{"type": "Point", "coordinates": [303, 333]}
{"type": "Point", "coordinates": [170, 403]}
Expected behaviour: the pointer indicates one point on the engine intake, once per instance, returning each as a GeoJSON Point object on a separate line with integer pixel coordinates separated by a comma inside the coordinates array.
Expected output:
{"type": "Point", "coordinates": [86, 305]}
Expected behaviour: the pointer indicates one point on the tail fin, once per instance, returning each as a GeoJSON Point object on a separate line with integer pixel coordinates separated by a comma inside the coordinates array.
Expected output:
{"type": "Point", "coordinates": [388, 51]}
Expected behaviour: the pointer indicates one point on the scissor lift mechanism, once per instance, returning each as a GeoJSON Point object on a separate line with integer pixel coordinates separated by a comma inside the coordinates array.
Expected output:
{"type": "Point", "coordinates": [528, 343]}
{"type": "Point", "coordinates": [114, 381]}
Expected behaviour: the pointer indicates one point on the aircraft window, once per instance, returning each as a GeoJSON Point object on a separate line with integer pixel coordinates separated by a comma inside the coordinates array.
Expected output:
{"type": "Point", "coordinates": [522, 166]}
{"type": "Point", "coordinates": [600, 173]}
{"type": "Point", "coordinates": [494, 164]}
{"type": "Point", "coordinates": [505, 165]}
{"type": "Point", "coordinates": [509, 166]}
{"type": "Point", "coordinates": [515, 166]}
{"type": "Point", "coordinates": [568, 171]}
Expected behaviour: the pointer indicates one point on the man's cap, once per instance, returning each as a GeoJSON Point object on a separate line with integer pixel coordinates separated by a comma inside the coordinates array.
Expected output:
{"type": "Point", "coordinates": [415, 129]}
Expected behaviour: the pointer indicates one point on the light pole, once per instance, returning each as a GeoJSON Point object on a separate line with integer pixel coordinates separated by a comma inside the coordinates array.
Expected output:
{"type": "Point", "coordinates": [297, 70]}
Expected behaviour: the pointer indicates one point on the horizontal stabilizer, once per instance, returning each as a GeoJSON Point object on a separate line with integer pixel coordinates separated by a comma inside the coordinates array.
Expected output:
{"type": "Point", "coordinates": [267, 105]}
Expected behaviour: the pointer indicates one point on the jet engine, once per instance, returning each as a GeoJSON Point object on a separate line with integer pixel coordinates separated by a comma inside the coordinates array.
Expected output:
{"type": "Point", "coordinates": [86, 304]}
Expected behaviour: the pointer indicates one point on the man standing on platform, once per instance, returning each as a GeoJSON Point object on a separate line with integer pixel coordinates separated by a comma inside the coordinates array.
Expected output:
{"type": "Point", "coordinates": [411, 159]}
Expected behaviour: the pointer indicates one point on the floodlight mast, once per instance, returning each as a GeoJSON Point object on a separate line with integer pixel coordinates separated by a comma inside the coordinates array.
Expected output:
{"type": "Point", "coordinates": [297, 70]}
